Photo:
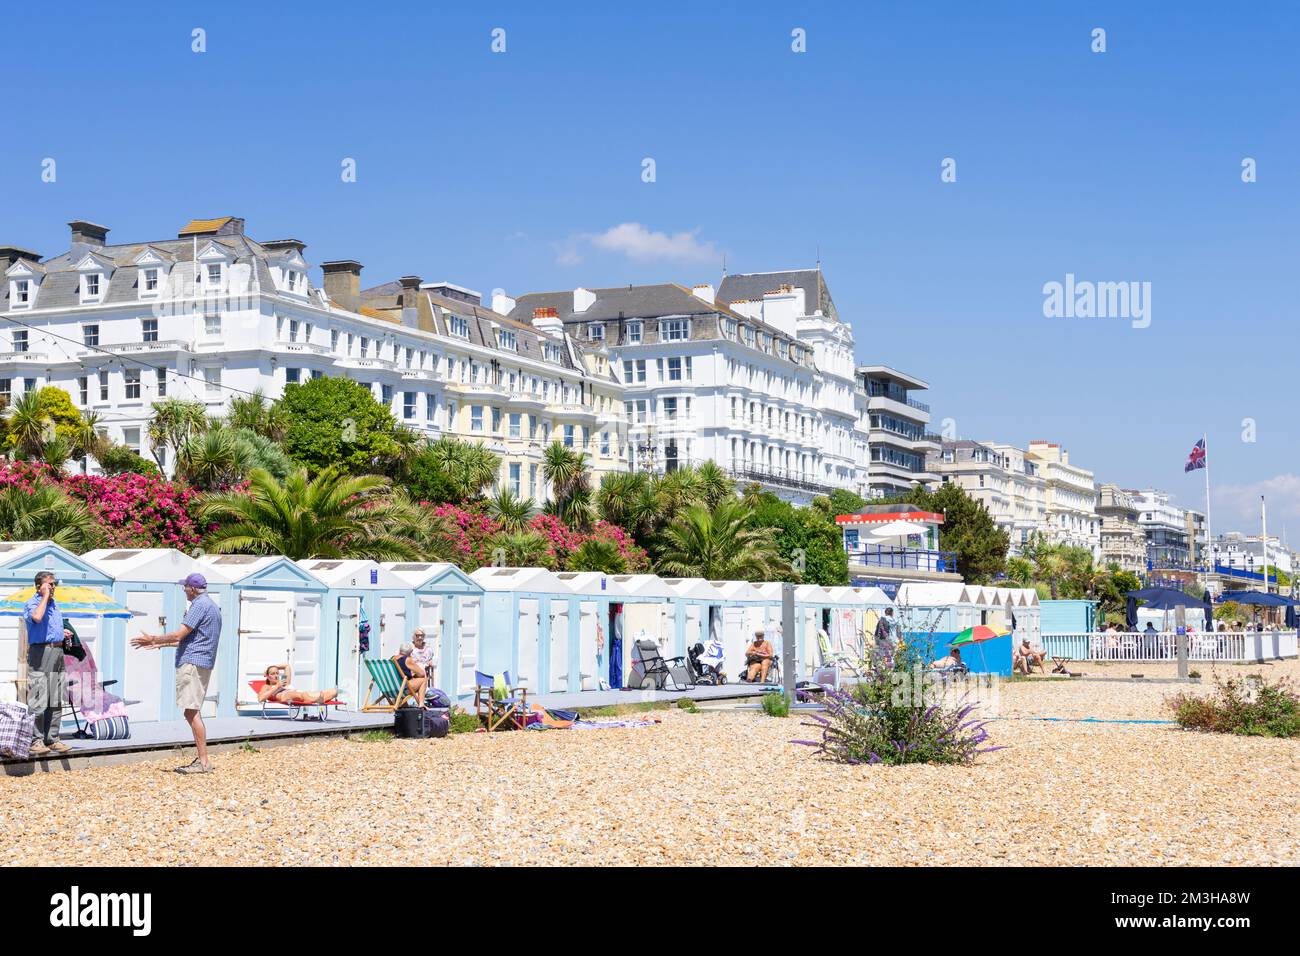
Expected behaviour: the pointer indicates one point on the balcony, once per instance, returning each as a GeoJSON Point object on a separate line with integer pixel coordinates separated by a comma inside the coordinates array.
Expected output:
{"type": "Point", "coordinates": [25, 358]}
{"type": "Point", "coordinates": [305, 348]}
{"type": "Point", "coordinates": [898, 558]}
{"type": "Point", "coordinates": [780, 477]}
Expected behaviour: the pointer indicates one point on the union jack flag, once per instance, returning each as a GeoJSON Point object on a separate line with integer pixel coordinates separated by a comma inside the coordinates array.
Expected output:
{"type": "Point", "coordinates": [1197, 458]}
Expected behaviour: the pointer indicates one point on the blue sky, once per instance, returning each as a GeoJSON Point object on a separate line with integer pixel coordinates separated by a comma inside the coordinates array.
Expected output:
{"type": "Point", "coordinates": [511, 169]}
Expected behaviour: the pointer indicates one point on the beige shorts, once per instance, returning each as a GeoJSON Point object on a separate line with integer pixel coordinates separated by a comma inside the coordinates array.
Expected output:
{"type": "Point", "coordinates": [192, 686]}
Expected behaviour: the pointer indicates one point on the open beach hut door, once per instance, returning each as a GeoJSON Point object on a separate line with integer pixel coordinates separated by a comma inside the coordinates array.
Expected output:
{"type": "Point", "coordinates": [276, 627]}
{"type": "Point", "coordinates": [347, 622]}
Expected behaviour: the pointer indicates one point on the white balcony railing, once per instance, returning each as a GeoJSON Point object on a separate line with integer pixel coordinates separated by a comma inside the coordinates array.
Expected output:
{"type": "Point", "coordinates": [1163, 646]}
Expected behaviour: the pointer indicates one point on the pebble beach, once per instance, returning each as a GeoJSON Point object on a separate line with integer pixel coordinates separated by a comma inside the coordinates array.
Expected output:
{"type": "Point", "coordinates": [723, 786]}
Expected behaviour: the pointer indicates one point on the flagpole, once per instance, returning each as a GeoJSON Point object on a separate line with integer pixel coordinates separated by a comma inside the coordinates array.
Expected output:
{"type": "Point", "coordinates": [1209, 551]}
{"type": "Point", "coordinates": [1263, 540]}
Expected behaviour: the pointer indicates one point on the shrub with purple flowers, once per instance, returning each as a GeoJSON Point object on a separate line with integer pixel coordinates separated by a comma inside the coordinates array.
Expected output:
{"type": "Point", "coordinates": [899, 713]}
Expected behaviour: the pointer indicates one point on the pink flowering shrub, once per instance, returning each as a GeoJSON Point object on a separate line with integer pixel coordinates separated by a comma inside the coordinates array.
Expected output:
{"type": "Point", "coordinates": [472, 530]}
{"type": "Point", "coordinates": [132, 511]}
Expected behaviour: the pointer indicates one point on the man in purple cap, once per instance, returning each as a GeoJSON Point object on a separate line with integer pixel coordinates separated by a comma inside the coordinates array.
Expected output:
{"type": "Point", "coordinates": [196, 654]}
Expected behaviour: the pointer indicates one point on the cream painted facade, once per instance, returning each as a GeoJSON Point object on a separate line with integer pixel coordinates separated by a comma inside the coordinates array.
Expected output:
{"type": "Point", "coordinates": [1071, 498]}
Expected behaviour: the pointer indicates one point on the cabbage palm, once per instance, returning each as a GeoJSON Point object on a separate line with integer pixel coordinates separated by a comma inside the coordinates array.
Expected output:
{"type": "Point", "coordinates": [258, 415]}
{"type": "Point", "coordinates": [510, 510]}
{"type": "Point", "coordinates": [175, 421]}
{"type": "Point", "coordinates": [330, 516]}
{"type": "Point", "coordinates": [597, 554]}
{"type": "Point", "coordinates": [213, 460]}
{"type": "Point", "coordinates": [468, 467]}
{"type": "Point", "coordinates": [46, 513]}
{"type": "Point", "coordinates": [719, 545]}
{"type": "Point", "coordinates": [28, 424]}
{"type": "Point", "coordinates": [566, 471]}
{"type": "Point", "coordinates": [526, 549]}
{"type": "Point", "coordinates": [715, 485]}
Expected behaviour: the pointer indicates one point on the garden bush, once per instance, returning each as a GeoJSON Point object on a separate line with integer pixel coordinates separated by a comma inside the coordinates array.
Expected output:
{"type": "Point", "coordinates": [775, 704]}
{"type": "Point", "coordinates": [885, 719]}
{"type": "Point", "coordinates": [1251, 706]}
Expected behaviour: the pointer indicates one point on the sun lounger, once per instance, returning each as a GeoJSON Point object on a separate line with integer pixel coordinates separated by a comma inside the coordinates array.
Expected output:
{"type": "Point", "coordinates": [651, 667]}
{"type": "Point", "coordinates": [296, 709]}
{"type": "Point", "coordinates": [833, 658]}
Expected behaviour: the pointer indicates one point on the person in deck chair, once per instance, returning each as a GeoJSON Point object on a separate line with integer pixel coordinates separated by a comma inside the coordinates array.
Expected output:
{"type": "Point", "coordinates": [408, 662]}
{"type": "Point", "coordinates": [278, 689]}
{"type": "Point", "coordinates": [758, 658]}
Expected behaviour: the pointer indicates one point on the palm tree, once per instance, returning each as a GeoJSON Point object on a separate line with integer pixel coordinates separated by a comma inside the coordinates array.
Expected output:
{"type": "Point", "coordinates": [719, 545]}
{"type": "Point", "coordinates": [1051, 566]}
{"type": "Point", "coordinates": [88, 441]}
{"type": "Point", "coordinates": [331, 516]}
{"type": "Point", "coordinates": [715, 485]}
{"type": "Point", "coordinates": [468, 467]}
{"type": "Point", "coordinates": [258, 415]}
{"type": "Point", "coordinates": [597, 554]}
{"type": "Point", "coordinates": [214, 459]}
{"type": "Point", "coordinates": [566, 471]}
{"type": "Point", "coordinates": [175, 421]}
{"type": "Point", "coordinates": [526, 549]}
{"type": "Point", "coordinates": [28, 424]}
{"type": "Point", "coordinates": [46, 513]}
{"type": "Point", "coordinates": [510, 510]}
{"type": "Point", "coordinates": [56, 453]}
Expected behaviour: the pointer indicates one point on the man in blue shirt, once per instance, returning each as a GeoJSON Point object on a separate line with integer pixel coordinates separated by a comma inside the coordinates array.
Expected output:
{"type": "Point", "coordinates": [196, 655]}
{"type": "Point", "coordinates": [45, 676]}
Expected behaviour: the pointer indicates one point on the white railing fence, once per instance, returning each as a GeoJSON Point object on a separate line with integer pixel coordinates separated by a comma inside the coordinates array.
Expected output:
{"type": "Point", "coordinates": [1163, 646]}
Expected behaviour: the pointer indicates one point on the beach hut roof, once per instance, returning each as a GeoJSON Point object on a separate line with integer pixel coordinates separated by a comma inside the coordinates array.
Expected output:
{"type": "Point", "coordinates": [353, 573]}
{"type": "Point", "coordinates": [595, 583]}
{"type": "Point", "coordinates": [518, 579]}
{"type": "Point", "coordinates": [20, 560]}
{"type": "Point", "coordinates": [695, 588]}
{"type": "Point", "coordinates": [643, 585]}
{"type": "Point", "coordinates": [417, 574]}
{"type": "Point", "coordinates": [738, 591]}
{"type": "Point", "coordinates": [147, 564]}
{"type": "Point", "coordinates": [933, 593]}
{"type": "Point", "coordinates": [872, 596]}
{"type": "Point", "coordinates": [261, 570]}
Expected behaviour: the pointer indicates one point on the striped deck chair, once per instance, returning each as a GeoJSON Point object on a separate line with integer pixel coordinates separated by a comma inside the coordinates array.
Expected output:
{"type": "Point", "coordinates": [386, 678]}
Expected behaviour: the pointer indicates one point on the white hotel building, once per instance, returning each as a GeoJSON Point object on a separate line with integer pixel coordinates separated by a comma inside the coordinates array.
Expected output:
{"type": "Point", "coordinates": [213, 314]}
{"type": "Point", "coordinates": [758, 376]}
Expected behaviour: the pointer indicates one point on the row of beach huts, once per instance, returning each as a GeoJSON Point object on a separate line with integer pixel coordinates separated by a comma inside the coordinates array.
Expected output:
{"type": "Point", "coordinates": [554, 631]}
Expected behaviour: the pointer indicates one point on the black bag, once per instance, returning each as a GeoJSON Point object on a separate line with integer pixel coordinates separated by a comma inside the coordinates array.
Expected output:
{"type": "Point", "coordinates": [72, 646]}
{"type": "Point", "coordinates": [407, 722]}
{"type": "Point", "coordinates": [411, 722]}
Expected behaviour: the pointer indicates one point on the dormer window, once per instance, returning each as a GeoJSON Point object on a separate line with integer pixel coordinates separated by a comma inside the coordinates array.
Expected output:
{"type": "Point", "coordinates": [457, 325]}
{"type": "Point", "coordinates": [149, 286]}
{"type": "Point", "coordinates": [22, 294]}
{"type": "Point", "coordinates": [214, 272]}
{"type": "Point", "coordinates": [506, 340]}
{"type": "Point", "coordinates": [596, 331]}
{"type": "Point", "coordinates": [292, 280]}
{"type": "Point", "coordinates": [634, 330]}
{"type": "Point", "coordinates": [91, 283]}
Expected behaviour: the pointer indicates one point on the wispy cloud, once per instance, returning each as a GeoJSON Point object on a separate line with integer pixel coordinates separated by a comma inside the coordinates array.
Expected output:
{"type": "Point", "coordinates": [636, 242]}
{"type": "Point", "coordinates": [1236, 507]}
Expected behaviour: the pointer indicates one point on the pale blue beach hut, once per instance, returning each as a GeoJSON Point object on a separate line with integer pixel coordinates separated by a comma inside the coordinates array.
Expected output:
{"type": "Point", "coordinates": [446, 602]}
{"type": "Point", "coordinates": [271, 614]}
{"type": "Point", "coordinates": [516, 624]}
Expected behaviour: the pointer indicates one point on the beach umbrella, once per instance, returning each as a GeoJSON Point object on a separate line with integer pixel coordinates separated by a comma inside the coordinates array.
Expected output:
{"type": "Point", "coordinates": [73, 601]}
{"type": "Point", "coordinates": [978, 635]}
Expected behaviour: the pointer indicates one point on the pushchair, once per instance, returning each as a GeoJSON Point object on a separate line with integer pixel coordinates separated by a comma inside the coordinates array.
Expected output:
{"type": "Point", "coordinates": [706, 664]}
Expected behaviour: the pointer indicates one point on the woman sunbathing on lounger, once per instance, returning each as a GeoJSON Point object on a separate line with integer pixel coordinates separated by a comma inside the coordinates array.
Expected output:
{"type": "Point", "coordinates": [277, 688]}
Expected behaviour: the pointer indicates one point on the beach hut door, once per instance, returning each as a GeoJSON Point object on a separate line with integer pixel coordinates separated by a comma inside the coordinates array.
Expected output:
{"type": "Point", "coordinates": [265, 637]}
{"type": "Point", "coordinates": [349, 648]}
{"type": "Point", "coordinates": [142, 668]}
{"type": "Point", "coordinates": [306, 641]}
{"type": "Point", "coordinates": [559, 682]}
{"type": "Point", "coordinates": [392, 624]}
{"type": "Point", "coordinates": [467, 632]}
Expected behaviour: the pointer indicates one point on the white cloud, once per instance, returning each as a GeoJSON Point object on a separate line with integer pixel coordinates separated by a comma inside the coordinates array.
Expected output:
{"type": "Point", "coordinates": [1236, 507]}
{"type": "Point", "coordinates": [636, 242]}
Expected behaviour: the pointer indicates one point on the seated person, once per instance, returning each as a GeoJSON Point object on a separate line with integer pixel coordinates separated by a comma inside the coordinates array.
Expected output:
{"type": "Point", "coordinates": [950, 661]}
{"type": "Point", "coordinates": [758, 658]}
{"type": "Point", "coordinates": [278, 689]}
{"type": "Point", "coordinates": [1031, 655]}
{"type": "Point", "coordinates": [417, 679]}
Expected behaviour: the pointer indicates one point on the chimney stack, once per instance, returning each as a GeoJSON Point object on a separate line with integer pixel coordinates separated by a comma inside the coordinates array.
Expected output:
{"type": "Point", "coordinates": [410, 300]}
{"type": "Point", "coordinates": [583, 299]}
{"type": "Point", "coordinates": [343, 282]}
{"type": "Point", "coordinates": [547, 320]}
{"type": "Point", "coordinates": [502, 304]}
{"type": "Point", "coordinates": [88, 233]}
{"type": "Point", "coordinates": [704, 292]}
{"type": "Point", "coordinates": [11, 254]}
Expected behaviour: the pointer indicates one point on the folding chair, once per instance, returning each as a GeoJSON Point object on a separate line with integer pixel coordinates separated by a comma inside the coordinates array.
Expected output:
{"type": "Point", "coordinates": [648, 665]}
{"type": "Point", "coordinates": [509, 710]}
{"type": "Point", "coordinates": [82, 733]}
{"type": "Point", "coordinates": [386, 678]}
{"type": "Point", "coordinates": [837, 659]}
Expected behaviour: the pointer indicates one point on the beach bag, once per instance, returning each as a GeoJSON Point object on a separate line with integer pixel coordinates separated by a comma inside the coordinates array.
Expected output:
{"type": "Point", "coordinates": [110, 728]}
{"type": "Point", "coordinates": [434, 724]}
{"type": "Point", "coordinates": [407, 722]}
{"type": "Point", "coordinates": [72, 646]}
{"type": "Point", "coordinates": [437, 699]}
{"type": "Point", "coordinates": [17, 727]}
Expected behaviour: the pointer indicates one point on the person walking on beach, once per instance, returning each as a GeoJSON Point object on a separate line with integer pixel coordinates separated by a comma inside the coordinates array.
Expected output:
{"type": "Point", "coordinates": [45, 675]}
{"type": "Point", "coordinates": [884, 636]}
{"type": "Point", "coordinates": [196, 654]}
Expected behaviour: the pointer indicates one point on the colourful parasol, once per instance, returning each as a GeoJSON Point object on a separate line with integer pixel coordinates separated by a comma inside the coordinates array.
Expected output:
{"type": "Point", "coordinates": [72, 600]}
{"type": "Point", "coordinates": [976, 634]}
